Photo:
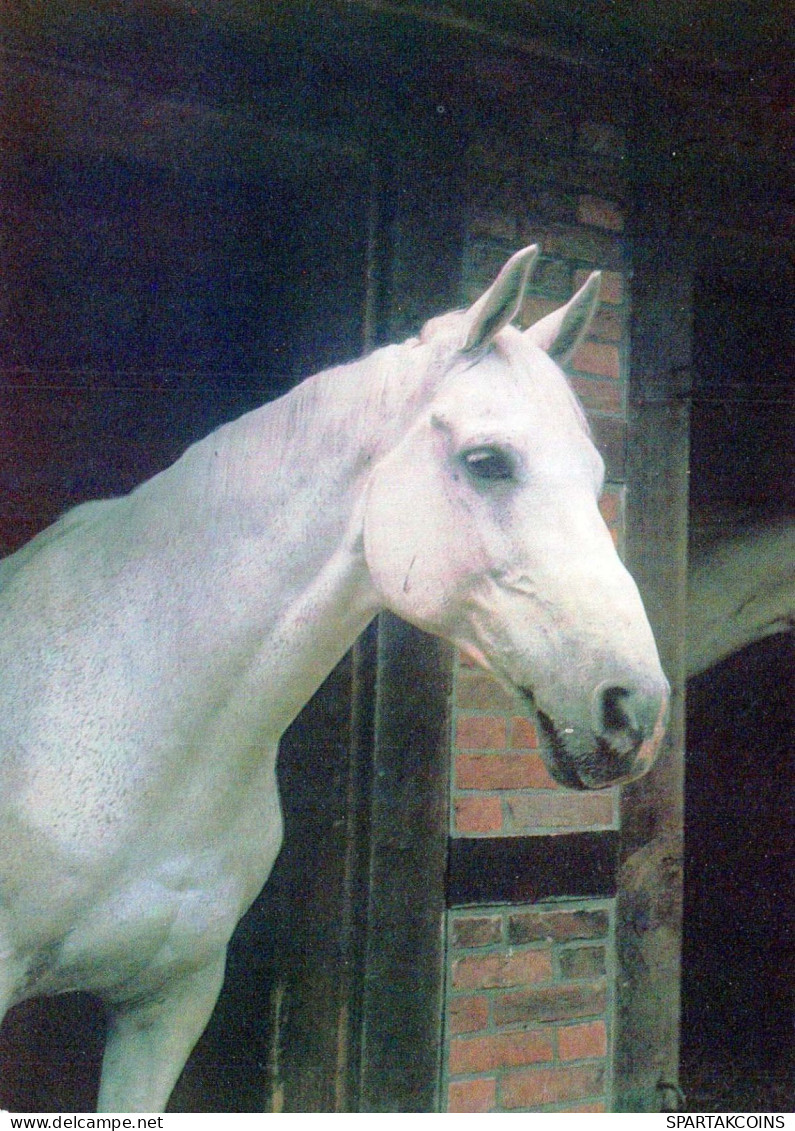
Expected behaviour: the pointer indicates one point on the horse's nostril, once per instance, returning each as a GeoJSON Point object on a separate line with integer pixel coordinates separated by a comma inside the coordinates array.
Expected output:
{"type": "Point", "coordinates": [616, 720]}
{"type": "Point", "coordinates": [616, 710]}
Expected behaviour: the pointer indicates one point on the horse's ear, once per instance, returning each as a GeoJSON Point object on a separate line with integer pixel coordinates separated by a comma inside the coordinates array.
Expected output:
{"type": "Point", "coordinates": [560, 332]}
{"type": "Point", "coordinates": [501, 302]}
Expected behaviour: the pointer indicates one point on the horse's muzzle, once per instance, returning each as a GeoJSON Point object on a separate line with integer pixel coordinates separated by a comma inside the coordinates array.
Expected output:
{"type": "Point", "coordinates": [619, 742]}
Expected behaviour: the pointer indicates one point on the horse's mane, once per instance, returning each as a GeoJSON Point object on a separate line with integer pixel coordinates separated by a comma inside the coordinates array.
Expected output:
{"type": "Point", "coordinates": [361, 405]}
{"type": "Point", "coordinates": [368, 403]}
{"type": "Point", "coordinates": [77, 516]}
{"type": "Point", "coordinates": [357, 404]}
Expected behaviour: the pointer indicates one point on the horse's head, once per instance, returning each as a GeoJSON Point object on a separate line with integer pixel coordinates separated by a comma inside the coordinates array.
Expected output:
{"type": "Point", "coordinates": [482, 526]}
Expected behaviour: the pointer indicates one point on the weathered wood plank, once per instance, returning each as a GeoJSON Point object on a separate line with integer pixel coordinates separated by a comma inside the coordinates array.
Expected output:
{"type": "Point", "coordinates": [649, 905]}
{"type": "Point", "coordinates": [401, 1011]}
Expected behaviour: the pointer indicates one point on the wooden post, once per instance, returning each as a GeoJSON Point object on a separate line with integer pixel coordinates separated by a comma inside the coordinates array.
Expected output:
{"type": "Point", "coordinates": [389, 1037]}
{"type": "Point", "coordinates": [650, 877]}
{"type": "Point", "coordinates": [401, 1008]}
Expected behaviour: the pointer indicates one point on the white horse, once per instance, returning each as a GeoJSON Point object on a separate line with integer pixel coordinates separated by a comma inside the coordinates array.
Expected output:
{"type": "Point", "coordinates": [153, 648]}
{"type": "Point", "coordinates": [740, 584]}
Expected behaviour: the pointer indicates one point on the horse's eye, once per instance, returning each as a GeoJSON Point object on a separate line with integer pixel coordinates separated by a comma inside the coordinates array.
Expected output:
{"type": "Point", "coordinates": [489, 464]}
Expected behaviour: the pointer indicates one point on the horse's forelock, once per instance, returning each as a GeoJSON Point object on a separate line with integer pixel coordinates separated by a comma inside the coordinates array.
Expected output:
{"type": "Point", "coordinates": [442, 334]}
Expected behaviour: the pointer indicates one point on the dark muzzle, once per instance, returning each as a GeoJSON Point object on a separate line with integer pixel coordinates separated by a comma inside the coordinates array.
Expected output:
{"type": "Point", "coordinates": [620, 743]}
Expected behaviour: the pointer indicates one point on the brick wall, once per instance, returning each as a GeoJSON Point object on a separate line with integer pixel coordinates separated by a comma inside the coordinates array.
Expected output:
{"type": "Point", "coordinates": [529, 1017]}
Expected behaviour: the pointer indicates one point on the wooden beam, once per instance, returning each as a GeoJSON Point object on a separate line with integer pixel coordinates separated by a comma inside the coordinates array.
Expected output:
{"type": "Point", "coordinates": [403, 974]}
{"type": "Point", "coordinates": [649, 905]}
{"type": "Point", "coordinates": [531, 869]}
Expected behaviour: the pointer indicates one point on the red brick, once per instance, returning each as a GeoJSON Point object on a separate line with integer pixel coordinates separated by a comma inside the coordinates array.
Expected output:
{"type": "Point", "coordinates": [600, 358]}
{"type": "Point", "coordinates": [563, 1002]}
{"type": "Point", "coordinates": [588, 245]}
{"type": "Point", "coordinates": [476, 930]}
{"type": "Point", "coordinates": [468, 1014]}
{"type": "Point", "coordinates": [482, 972]}
{"type": "Point", "coordinates": [552, 277]}
{"type": "Point", "coordinates": [559, 809]}
{"type": "Point", "coordinates": [610, 506]}
{"type": "Point", "coordinates": [601, 213]}
{"type": "Point", "coordinates": [612, 285]}
{"type": "Point", "coordinates": [478, 814]}
{"type": "Point", "coordinates": [524, 735]}
{"type": "Point", "coordinates": [476, 690]}
{"type": "Point", "coordinates": [535, 308]}
{"type": "Point", "coordinates": [534, 1087]}
{"type": "Point", "coordinates": [499, 1050]}
{"type": "Point", "coordinates": [599, 395]}
{"type": "Point", "coordinates": [579, 1042]}
{"type": "Point", "coordinates": [544, 205]}
{"type": "Point", "coordinates": [472, 1095]}
{"type": "Point", "coordinates": [501, 771]}
{"type": "Point", "coordinates": [608, 324]}
{"type": "Point", "coordinates": [481, 732]}
{"type": "Point", "coordinates": [562, 926]}
{"type": "Point", "coordinates": [582, 961]}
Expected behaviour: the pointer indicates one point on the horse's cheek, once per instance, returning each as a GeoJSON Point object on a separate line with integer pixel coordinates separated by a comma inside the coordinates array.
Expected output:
{"type": "Point", "coordinates": [408, 548]}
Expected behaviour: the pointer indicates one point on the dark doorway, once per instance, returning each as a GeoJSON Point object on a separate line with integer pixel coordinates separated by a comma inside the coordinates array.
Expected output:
{"type": "Point", "coordinates": [165, 305]}
{"type": "Point", "coordinates": [737, 1007]}
{"type": "Point", "coordinates": [738, 1003]}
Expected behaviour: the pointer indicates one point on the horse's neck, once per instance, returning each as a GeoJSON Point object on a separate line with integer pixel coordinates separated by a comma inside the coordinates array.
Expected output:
{"type": "Point", "coordinates": [263, 520]}
{"type": "Point", "coordinates": [741, 587]}
{"type": "Point", "coordinates": [292, 469]}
